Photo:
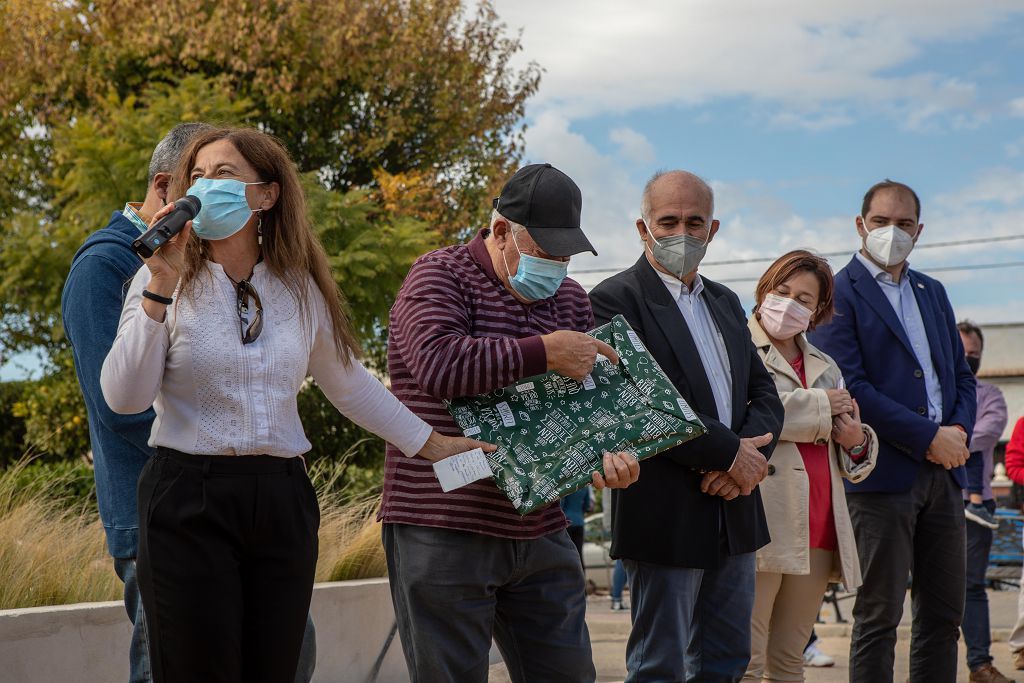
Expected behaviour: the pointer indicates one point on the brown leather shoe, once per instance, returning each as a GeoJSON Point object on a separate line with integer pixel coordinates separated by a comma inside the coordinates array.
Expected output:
{"type": "Point", "coordinates": [1018, 660]}
{"type": "Point", "coordinates": [988, 674]}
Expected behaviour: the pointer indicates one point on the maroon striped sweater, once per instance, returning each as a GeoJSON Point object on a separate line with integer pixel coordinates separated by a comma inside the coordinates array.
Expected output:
{"type": "Point", "coordinates": [457, 331]}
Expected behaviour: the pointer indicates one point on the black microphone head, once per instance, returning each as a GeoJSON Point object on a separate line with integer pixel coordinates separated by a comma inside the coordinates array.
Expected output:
{"type": "Point", "coordinates": [188, 204]}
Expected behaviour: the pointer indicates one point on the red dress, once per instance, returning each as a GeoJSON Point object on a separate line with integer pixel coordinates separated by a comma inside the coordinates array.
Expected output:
{"type": "Point", "coordinates": [821, 523]}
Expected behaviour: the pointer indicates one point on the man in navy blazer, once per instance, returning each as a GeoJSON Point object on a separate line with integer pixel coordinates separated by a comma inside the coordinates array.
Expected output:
{"type": "Point", "coordinates": [895, 338]}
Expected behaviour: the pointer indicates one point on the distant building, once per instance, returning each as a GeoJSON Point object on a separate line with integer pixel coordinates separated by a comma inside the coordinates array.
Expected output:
{"type": "Point", "coordinates": [1003, 365]}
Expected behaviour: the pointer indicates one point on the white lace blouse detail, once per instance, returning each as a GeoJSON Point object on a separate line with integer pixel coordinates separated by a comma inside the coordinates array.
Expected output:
{"type": "Point", "coordinates": [213, 395]}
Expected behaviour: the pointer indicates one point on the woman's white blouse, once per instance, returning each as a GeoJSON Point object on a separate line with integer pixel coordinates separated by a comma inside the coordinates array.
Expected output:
{"type": "Point", "coordinates": [215, 396]}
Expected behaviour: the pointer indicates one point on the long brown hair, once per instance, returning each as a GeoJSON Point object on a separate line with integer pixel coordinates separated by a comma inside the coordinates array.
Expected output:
{"type": "Point", "coordinates": [788, 265]}
{"type": "Point", "coordinates": [291, 250]}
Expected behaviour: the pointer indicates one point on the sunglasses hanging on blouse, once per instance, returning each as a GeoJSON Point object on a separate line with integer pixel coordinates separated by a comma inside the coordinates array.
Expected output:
{"type": "Point", "coordinates": [250, 330]}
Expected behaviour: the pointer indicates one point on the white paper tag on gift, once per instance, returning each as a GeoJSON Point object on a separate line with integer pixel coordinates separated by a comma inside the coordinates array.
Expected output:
{"type": "Point", "coordinates": [635, 339]}
{"type": "Point", "coordinates": [508, 418]}
{"type": "Point", "coordinates": [463, 468]}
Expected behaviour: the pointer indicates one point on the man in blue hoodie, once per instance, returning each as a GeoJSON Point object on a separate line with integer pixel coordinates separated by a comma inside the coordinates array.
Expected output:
{"type": "Point", "coordinates": [91, 307]}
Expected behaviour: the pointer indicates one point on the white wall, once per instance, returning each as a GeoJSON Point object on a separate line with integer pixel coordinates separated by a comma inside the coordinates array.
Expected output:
{"type": "Point", "coordinates": [88, 643]}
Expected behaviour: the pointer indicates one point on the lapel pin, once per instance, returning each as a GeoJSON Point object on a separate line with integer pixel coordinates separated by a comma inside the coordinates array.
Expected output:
{"type": "Point", "coordinates": [920, 285]}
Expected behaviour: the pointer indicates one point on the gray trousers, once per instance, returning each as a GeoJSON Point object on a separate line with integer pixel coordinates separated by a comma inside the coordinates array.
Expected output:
{"type": "Point", "coordinates": [690, 625]}
{"type": "Point", "coordinates": [920, 530]}
{"type": "Point", "coordinates": [454, 591]}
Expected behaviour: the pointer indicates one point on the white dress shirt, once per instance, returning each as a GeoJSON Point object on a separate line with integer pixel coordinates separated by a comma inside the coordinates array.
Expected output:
{"type": "Point", "coordinates": [215, 396]}
{"type": "Point", "coordinates": [901, 297]}
{"type": "Point", "coordinates": [708, 338]}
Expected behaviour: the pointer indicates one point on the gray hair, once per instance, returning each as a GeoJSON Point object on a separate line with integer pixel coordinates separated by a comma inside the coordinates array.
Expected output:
{"type": "Point", "coordinates": [516, 228]}
{"type": "Point", "coordinates": [168, 151]}
{"type": "Point", "coordinates": [645, 198]}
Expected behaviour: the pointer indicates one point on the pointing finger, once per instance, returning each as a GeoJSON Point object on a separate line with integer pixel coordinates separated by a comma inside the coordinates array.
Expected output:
{"type": "Point", "coordinates": [607, 351]}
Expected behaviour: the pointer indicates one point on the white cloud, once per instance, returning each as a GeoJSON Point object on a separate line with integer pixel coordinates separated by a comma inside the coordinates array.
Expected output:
{"type": "Point", "coordinates": [988, 313]}
{"type": "Point", "coordinates": [818, 61]}
{"type": "Point", "coordinates": [633, 146]}
{"type": "Point", "coordinates": [1015, 148]}
{"type": "Point", "coordinates": [794, 64]}
{"type": "Point", "coordinates": [1000, 186]}
{"type": "Point", "coordinates": [812, 121]}
{"type": "Point", "coordinates": [756, 223]}
{"type": "Point", "coordinates": [611, 199]}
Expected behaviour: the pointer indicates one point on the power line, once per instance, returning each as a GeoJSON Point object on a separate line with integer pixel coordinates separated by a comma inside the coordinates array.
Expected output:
{"type": "Point", "coordinates": [765, 259]}
{"type": "Point", "coordinates": [937, 269]}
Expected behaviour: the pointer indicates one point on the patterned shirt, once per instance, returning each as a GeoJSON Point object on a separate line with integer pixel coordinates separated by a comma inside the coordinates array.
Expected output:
{"type": "Point", "coordinates": [455, 330]}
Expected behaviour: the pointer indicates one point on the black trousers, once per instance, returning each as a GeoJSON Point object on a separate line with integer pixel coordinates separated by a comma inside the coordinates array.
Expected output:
{"type": "Point", "coordinates": [576, 534]}
{"type": "Point", "coordinates": [227, 553]}
{"type": "Point", "coordinates": [920, 530]}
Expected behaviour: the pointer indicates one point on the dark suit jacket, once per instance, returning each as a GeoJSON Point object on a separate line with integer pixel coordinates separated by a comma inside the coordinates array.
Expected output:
{"type": "Point", "coordinates": [881, 371]}
{"type": "Point", "coordinates": [664, 518]}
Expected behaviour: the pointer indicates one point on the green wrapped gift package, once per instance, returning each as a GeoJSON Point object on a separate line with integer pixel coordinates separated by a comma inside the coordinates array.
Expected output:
{"type": "Point", "coordinates": [552, 431]}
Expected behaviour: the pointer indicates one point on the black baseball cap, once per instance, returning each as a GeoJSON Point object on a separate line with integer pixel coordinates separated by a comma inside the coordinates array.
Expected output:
{"type": "Point", "coordinates": [547, 203]}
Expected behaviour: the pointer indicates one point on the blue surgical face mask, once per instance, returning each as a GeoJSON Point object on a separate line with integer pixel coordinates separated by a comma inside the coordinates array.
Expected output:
{"type": "Point", "coordinates": [225, 209]}
{"type": "Point", "coordinates": [536, 278]}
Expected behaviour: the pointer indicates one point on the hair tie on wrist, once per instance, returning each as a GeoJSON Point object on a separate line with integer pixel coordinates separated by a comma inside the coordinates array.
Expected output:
{"type": "Point", "coordinates": [165, 300]}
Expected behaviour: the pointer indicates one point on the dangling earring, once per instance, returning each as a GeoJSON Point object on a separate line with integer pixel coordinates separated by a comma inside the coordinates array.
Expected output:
{"type": "Point", "coordinates": [259, 228]}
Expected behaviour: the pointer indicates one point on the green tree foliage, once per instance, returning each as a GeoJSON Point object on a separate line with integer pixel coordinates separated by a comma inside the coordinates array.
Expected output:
{"type": "Point", "coordinates": [53, 411]}
{"type": "Point", "coordinates": [370, 251]}
{"type": "Point", "coordinates": [100, 160]}
{"type": "Point", "coordinates": [351, 86]}
{"type": "Point", "coordinates": [403, 115]}
{"type": "Point", "coordinates": [355, 455]}
{"type": "Point", "coordinates": [12, 426]}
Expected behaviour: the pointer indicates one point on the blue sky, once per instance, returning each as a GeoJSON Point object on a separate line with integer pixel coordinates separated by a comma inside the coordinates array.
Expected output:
{"type": "Point", "coordinates": [791, 110]}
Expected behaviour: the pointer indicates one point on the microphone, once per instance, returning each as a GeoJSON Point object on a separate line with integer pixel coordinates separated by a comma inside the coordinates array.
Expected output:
{"type": "Point", "coordinates": [185, 209]}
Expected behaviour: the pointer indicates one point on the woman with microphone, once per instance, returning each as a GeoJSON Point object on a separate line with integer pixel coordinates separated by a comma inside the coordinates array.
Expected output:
{"type": "Point", "coordinates": [219, 330]}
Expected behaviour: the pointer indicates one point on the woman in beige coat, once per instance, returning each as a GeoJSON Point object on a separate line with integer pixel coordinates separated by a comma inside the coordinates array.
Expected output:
{"type": "Point", "coordinates": [822, 440]}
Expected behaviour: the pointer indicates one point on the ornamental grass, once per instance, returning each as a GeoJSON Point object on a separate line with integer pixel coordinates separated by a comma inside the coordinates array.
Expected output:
{"type": "Point", "coordinates": [53, 551]}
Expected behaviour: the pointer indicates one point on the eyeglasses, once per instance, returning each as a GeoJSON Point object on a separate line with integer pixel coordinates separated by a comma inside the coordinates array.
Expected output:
{"type": "Point", "coordinates": [250, 331]}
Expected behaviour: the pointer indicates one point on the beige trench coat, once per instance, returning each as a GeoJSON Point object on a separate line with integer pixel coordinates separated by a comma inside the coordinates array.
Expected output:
{"type": "Point", "coordinates": [785, 489]}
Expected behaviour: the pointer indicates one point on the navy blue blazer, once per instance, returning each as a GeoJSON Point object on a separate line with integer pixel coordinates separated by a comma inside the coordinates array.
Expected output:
{"type": "Point", "coordinates": [868, 343]}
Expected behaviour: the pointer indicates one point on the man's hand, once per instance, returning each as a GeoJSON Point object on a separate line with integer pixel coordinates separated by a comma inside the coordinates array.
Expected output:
{"type": "Point", "coordinates": [620, 470]}
{"type": "Point", "coordinates": [750, 467]}
{"type": "Point", "coordinates": [840, 401]}
{"type": "Point", "coordinates": [949, 448]}
{"type": "Point", "coordinates": [439, 446]}
{"type": "Point", "coordinates": [574, 354]}
{"type": "Point", "coordinates": [720, 484]}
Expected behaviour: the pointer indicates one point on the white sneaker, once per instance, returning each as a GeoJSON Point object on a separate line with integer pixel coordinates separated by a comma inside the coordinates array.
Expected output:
{"type": "Point", "coordinates": [815, 657]}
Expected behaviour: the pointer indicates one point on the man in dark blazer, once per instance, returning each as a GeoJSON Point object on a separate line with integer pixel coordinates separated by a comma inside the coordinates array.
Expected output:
{"type": "Point", "coordinates": [895, 338]}
{"type": "Point", "coordinates": [688, 529]}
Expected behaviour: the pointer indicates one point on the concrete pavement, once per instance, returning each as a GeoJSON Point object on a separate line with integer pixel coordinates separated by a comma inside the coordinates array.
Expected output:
{"type": "Point", "coordinates": [609, 630]}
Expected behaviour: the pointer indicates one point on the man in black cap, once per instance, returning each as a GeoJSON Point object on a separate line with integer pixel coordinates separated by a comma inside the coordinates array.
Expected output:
{"type": "Point", "coordinates": [464, 566]}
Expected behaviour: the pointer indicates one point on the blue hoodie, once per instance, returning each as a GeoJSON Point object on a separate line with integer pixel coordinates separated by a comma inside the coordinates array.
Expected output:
{"type": "Point", "coordinates": [91, 307]}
